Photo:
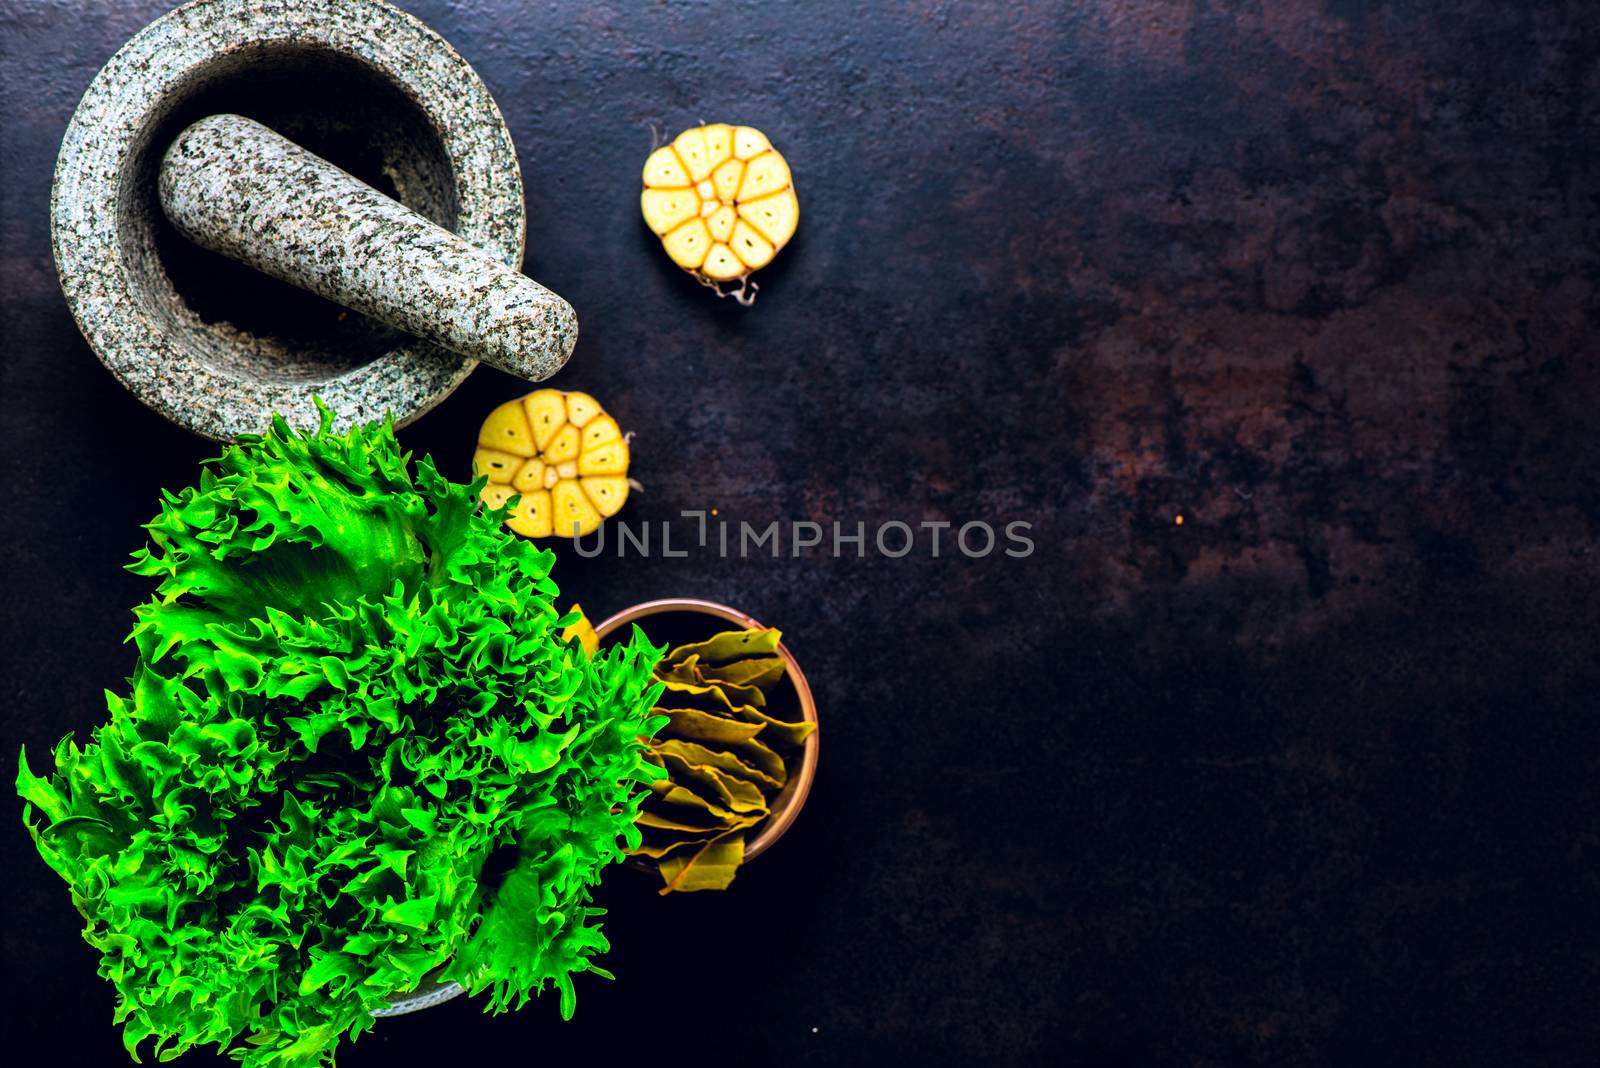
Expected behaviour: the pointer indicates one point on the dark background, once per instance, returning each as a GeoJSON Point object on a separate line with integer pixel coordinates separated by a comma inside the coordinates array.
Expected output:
{"type": "Point", "coordinates": [1310, 778]}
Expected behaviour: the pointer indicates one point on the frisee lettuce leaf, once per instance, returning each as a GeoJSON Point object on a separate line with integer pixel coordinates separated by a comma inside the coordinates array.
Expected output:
{"type": "Point", "coordinates": [355, 751]}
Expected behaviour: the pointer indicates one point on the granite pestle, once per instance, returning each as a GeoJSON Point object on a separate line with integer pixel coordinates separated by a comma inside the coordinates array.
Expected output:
{"type": "Point", "coordinates": [236, 187]}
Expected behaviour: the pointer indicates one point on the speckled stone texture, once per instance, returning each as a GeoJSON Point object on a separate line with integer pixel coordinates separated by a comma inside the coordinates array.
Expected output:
{"type": "Point", "coordinates": [358, 81]}
{"type": "Point", "coordinates": [232, 185]}
{"type": "Point", "coordinates": [1310, 781]}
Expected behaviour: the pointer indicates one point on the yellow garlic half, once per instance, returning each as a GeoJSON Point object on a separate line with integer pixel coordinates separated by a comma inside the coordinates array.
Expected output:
{"type": "Point", "coordinates": [722, 201]}
{"type": "Point", "coordinates": [562, 455]}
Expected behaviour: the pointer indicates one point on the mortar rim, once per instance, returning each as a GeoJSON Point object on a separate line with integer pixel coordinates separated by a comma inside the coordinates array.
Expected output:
{"type": "Point", "coordinates": [126, 101]}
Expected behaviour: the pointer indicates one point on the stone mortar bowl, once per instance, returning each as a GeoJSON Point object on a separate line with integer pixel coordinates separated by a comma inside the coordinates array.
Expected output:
{"type": "Point", "coordinates": [208, 342]}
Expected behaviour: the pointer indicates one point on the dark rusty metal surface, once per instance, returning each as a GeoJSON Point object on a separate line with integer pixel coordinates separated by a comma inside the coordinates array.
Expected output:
{"type": "Point", "coordinates": [1310, 778]}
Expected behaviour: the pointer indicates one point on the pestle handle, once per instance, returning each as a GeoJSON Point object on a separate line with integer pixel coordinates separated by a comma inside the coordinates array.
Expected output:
{"type": "Point", "coordinates": [234, 186]}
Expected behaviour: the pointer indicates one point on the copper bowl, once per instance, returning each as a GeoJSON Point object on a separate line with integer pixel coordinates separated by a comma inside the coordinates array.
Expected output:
{"type": "Point", "coordinates": [712, 616]}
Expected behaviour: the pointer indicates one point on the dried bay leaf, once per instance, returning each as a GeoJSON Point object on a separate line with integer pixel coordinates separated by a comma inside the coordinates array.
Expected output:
{"type": "Point", "coordinates": [729, 645]}
{"type": "Point", "coordinates": [659, 849]}
{"type": "Point", "coordinates": [736, 795]}
{"type": "Point", "coordinates": [695, 779]}
{"type": "Point", "coordinates": [722, 760]}
{"type": "Point", "coordinates": [707, 726]}
{"type": "Point", "coordinates": [747, 797]}
{"type": "Point", "coordinates": [662, 841]}
{"type": "Point", "coordinates": [713, 867]}
{"type": "Point", "coordinates": [762, 757]}
{"type": "Point", "coordinates": [760, 672]}
{"type": "Point", "coordinates": [653, 818]}
{"type": "Point", "coordinates": [725, 694]}
{"type": "Point", "coordinates": [687, 672]}
{"type": "Point", "coordinates": [776, 729]}
{"type": "Point", "coordinates": [672, 793]}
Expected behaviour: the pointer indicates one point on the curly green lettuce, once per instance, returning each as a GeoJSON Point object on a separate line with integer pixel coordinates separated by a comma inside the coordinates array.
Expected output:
{"type": "Point", "coordinates": [355, 752]}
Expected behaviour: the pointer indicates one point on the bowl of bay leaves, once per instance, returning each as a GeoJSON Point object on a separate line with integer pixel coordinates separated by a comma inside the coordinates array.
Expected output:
{"type": "Point", "coordinates": [739, 747]}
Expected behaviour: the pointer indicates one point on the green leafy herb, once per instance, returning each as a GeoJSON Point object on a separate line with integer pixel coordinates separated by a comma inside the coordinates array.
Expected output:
{"type": "Point", "coordinates": [355, 752]}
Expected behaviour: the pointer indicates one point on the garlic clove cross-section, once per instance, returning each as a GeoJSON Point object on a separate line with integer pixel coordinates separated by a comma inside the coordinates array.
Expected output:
{"type": "Point", "coordinates": [561, 455]}
{"type": "Point", "coordinates": [722, 201]}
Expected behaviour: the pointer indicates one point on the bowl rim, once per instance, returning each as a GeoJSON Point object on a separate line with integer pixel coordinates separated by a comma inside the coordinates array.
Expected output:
{"type": "Point", "coordinates": [779, 822]}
